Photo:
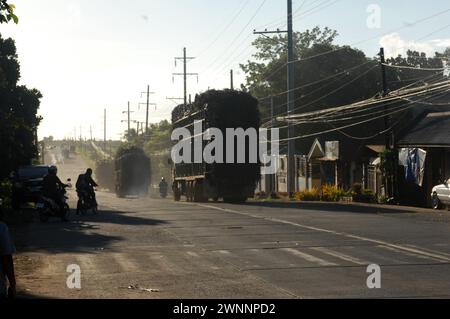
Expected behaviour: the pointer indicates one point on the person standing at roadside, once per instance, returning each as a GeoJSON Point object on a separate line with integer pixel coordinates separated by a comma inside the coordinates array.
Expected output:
{"type": "Point", "coordinates": [7, 249]}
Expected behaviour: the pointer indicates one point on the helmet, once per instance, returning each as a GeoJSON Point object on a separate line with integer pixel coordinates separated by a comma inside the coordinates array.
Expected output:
{"type": "Point", "coordinates": [163, 179]}
{"type": "Point", "coordinates": [53, 170]}
{"type": "Point", "coordinates": [89, 171]}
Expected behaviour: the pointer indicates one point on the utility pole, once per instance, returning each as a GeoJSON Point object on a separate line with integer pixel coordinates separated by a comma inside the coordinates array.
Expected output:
{"type": "Point", "coordinates": [290, 95]}
{"type": "Point", "coordinates": [231, 80]}
{"type": "Point", "coordinates": [185, 74]}
{"type": "Point", "coordinates": [128, 112]}
{"type": "Point", "coordinates": [104, 131]}
{"type": "Point", "coordinates": [384, 94]}
{"type": "Point", "coordinates": [90, 129]}
{"type": "Point", "coordinates": [272, 123]}
{"type": "Point", "coordinates": [290, 102]}
{"type": "Point", "coordinates": [148, 93]}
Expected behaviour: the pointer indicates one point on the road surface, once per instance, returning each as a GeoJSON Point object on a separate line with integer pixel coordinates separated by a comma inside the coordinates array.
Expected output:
{"type": "Point", "coordinates": [154, 248]}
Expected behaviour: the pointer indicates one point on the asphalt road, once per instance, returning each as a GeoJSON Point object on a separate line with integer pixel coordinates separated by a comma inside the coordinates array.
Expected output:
{"type": "Point", "coordinates": [153, 248]}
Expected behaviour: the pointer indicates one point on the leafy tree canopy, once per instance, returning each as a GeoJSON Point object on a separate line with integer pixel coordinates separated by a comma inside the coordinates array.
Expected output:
{"type": "Point", "coordinates": [18, 112]}
{"type": "Point", "coordinates": [326, 75]}
{"type": "Point", "coordinates": [7, 12]}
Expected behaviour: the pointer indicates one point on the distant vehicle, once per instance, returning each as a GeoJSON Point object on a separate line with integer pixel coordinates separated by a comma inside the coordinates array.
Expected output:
{"type": "Point", "coordinates": [132, 172]}
{"type": "Point", "coordinates": [199, 182]}
{"type": "Point", "coordinates": [27, 184]}
{"type": "Point", "coordinates": [440, 195]}
{"type": "Point", "coordinates": [163, 189]}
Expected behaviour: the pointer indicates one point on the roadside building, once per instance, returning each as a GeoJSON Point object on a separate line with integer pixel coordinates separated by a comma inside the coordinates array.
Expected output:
{"type": "Point", "coordinates": [429, 134]}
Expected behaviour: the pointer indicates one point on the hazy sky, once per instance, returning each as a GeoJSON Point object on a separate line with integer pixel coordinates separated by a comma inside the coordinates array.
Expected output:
{"type": "Point", "coordinates": [85, 56]}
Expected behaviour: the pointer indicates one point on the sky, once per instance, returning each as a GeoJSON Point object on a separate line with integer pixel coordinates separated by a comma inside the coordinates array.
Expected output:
{"type": "Point", "coordinates": [89, 55]}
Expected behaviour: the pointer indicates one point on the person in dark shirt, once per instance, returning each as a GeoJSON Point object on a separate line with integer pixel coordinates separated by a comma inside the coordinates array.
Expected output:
{"type": "Point", "coordinates": [51, 188]}
{"type": "Point", "coordinates": [85, 186]}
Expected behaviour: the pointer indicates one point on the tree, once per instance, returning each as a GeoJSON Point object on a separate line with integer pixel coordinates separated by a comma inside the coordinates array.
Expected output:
{"type": "Point", "coordinates": [18, 113]}
{"type": "Point", "coordinates": [328, 75]}
{"type": "Point", "coordinates": [7, 12]}
{"type": "Point", "coordinates": [351, 77]}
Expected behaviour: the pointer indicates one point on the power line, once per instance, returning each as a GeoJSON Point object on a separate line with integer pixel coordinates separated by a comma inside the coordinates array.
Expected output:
{"type": "Point", "coordinates": [240, 10]}
{"type": "Point", "coordinates": [412, 67]}
{"type": "Point", "coordinates": [359, 105]}
{"type": "Point", "coordinates": [374, 37]}
{"type": "Point", "coordinates": [333, 91]}
{"type": "Point", "coordinates": [241, 32]}
{"type": "Point", "coordinates": [319, 81]}
{"type": "Point", "coordinates": [349, 125]}
{"type": "Point", "coordinates": [364, 103]}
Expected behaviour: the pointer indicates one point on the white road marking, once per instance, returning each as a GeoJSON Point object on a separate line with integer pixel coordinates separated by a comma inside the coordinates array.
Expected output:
{"type": "Point", "coordinates": [341, 256]}
{"type": "Point", "coordinates": [370, 240]}
{"type": "Point", "coordinates": [409, 254]}
{"type": "Point", "coordinates": [223, 252]}
{"type": "Point", "coordinates": [309, 257]}
{"type": "Point", "coordinates": [430, 251]}
{"type": "Point", "coordinates": [86, 263]}
{"type": "Point", "coordinates": [192, 254]}
{"type": "Point", "coordinates": [125, 263]}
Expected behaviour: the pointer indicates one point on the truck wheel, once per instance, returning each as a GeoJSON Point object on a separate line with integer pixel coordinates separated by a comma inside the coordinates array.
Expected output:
{"type": "Point", "coordinates": [176, 193]}
{"type": "Point", "coordinates": [198, 192]}
{"type": "Point", "coordinates": [189, 191]}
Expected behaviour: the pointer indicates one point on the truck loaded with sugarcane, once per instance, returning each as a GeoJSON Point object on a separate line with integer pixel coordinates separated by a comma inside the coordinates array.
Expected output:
{"type": "Point", "coordinates": [227, 178]}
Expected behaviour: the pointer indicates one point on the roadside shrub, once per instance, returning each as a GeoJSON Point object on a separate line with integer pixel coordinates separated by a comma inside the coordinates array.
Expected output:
{"type": "Point", "coordinates": [261, 195]}
{"type": "Point", "coordinates": [6, 193]}
{"type": "Point", "coordinates": [312, 195]}
{"type": "Point", "coordinates": [357, 189]}
{"type": "Point", "coordinates": [274, 195]}
{"type": "Point", "coordinates": [367, 196]}
{"type": "Point", "coordinates": [331, 193]}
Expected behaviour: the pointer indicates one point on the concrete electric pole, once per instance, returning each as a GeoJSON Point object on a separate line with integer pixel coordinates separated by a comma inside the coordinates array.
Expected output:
{"type": "Point", "coordinates": [185, 74]}
{"type": "Point", "coordinates": [290, 95]}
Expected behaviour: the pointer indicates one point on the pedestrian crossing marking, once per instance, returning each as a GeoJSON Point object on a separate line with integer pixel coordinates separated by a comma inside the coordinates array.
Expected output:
{"type": "Point", "coordinates": [340, 256]}
{"type": "Point", "coordinates": [308, 257]}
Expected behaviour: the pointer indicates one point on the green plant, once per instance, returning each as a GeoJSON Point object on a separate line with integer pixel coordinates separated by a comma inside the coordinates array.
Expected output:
{"type": "Point", "coordinates": [331, 193]}
{"type": "Point", "coordinates": [6, 193]}
{"type": "Point", "coordinates": [308, 195]}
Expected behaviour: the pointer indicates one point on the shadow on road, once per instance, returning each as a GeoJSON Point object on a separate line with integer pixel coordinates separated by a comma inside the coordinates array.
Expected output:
{"type": "Point", "coordinates": [81, 235]}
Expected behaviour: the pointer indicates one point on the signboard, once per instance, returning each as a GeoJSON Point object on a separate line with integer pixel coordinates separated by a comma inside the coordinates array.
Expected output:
{"type": "Point", "coordinates": [332, 150]}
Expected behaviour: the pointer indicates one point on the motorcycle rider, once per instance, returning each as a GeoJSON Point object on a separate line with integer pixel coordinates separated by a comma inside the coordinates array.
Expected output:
{"type": "Point", "coordinates": [163, 186]}
{"type": "Point", "coordinates": [85, 187]}
{"type": "Point", "coordinates": [51, 189]}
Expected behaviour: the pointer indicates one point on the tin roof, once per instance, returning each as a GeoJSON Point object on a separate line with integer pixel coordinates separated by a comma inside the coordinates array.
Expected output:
{"type": "Point", "coordinates": [433, 130]}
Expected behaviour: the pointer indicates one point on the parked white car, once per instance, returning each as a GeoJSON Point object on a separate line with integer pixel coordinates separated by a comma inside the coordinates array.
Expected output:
{"type": "Point", "coordinates": [440, 196]}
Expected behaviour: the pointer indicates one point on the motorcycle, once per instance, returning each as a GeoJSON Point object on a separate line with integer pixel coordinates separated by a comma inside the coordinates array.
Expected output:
{"type": "Point", "coordinates": [48, 208]}
{"type": "Point", "coordinates": [86, 203]}
{"type": "Point", "coordinates": [163, 191]}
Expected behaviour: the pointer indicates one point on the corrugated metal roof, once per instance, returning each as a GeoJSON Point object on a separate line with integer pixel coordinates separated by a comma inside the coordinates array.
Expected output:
{"type": "Point", "coordinates": [432, 131]}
